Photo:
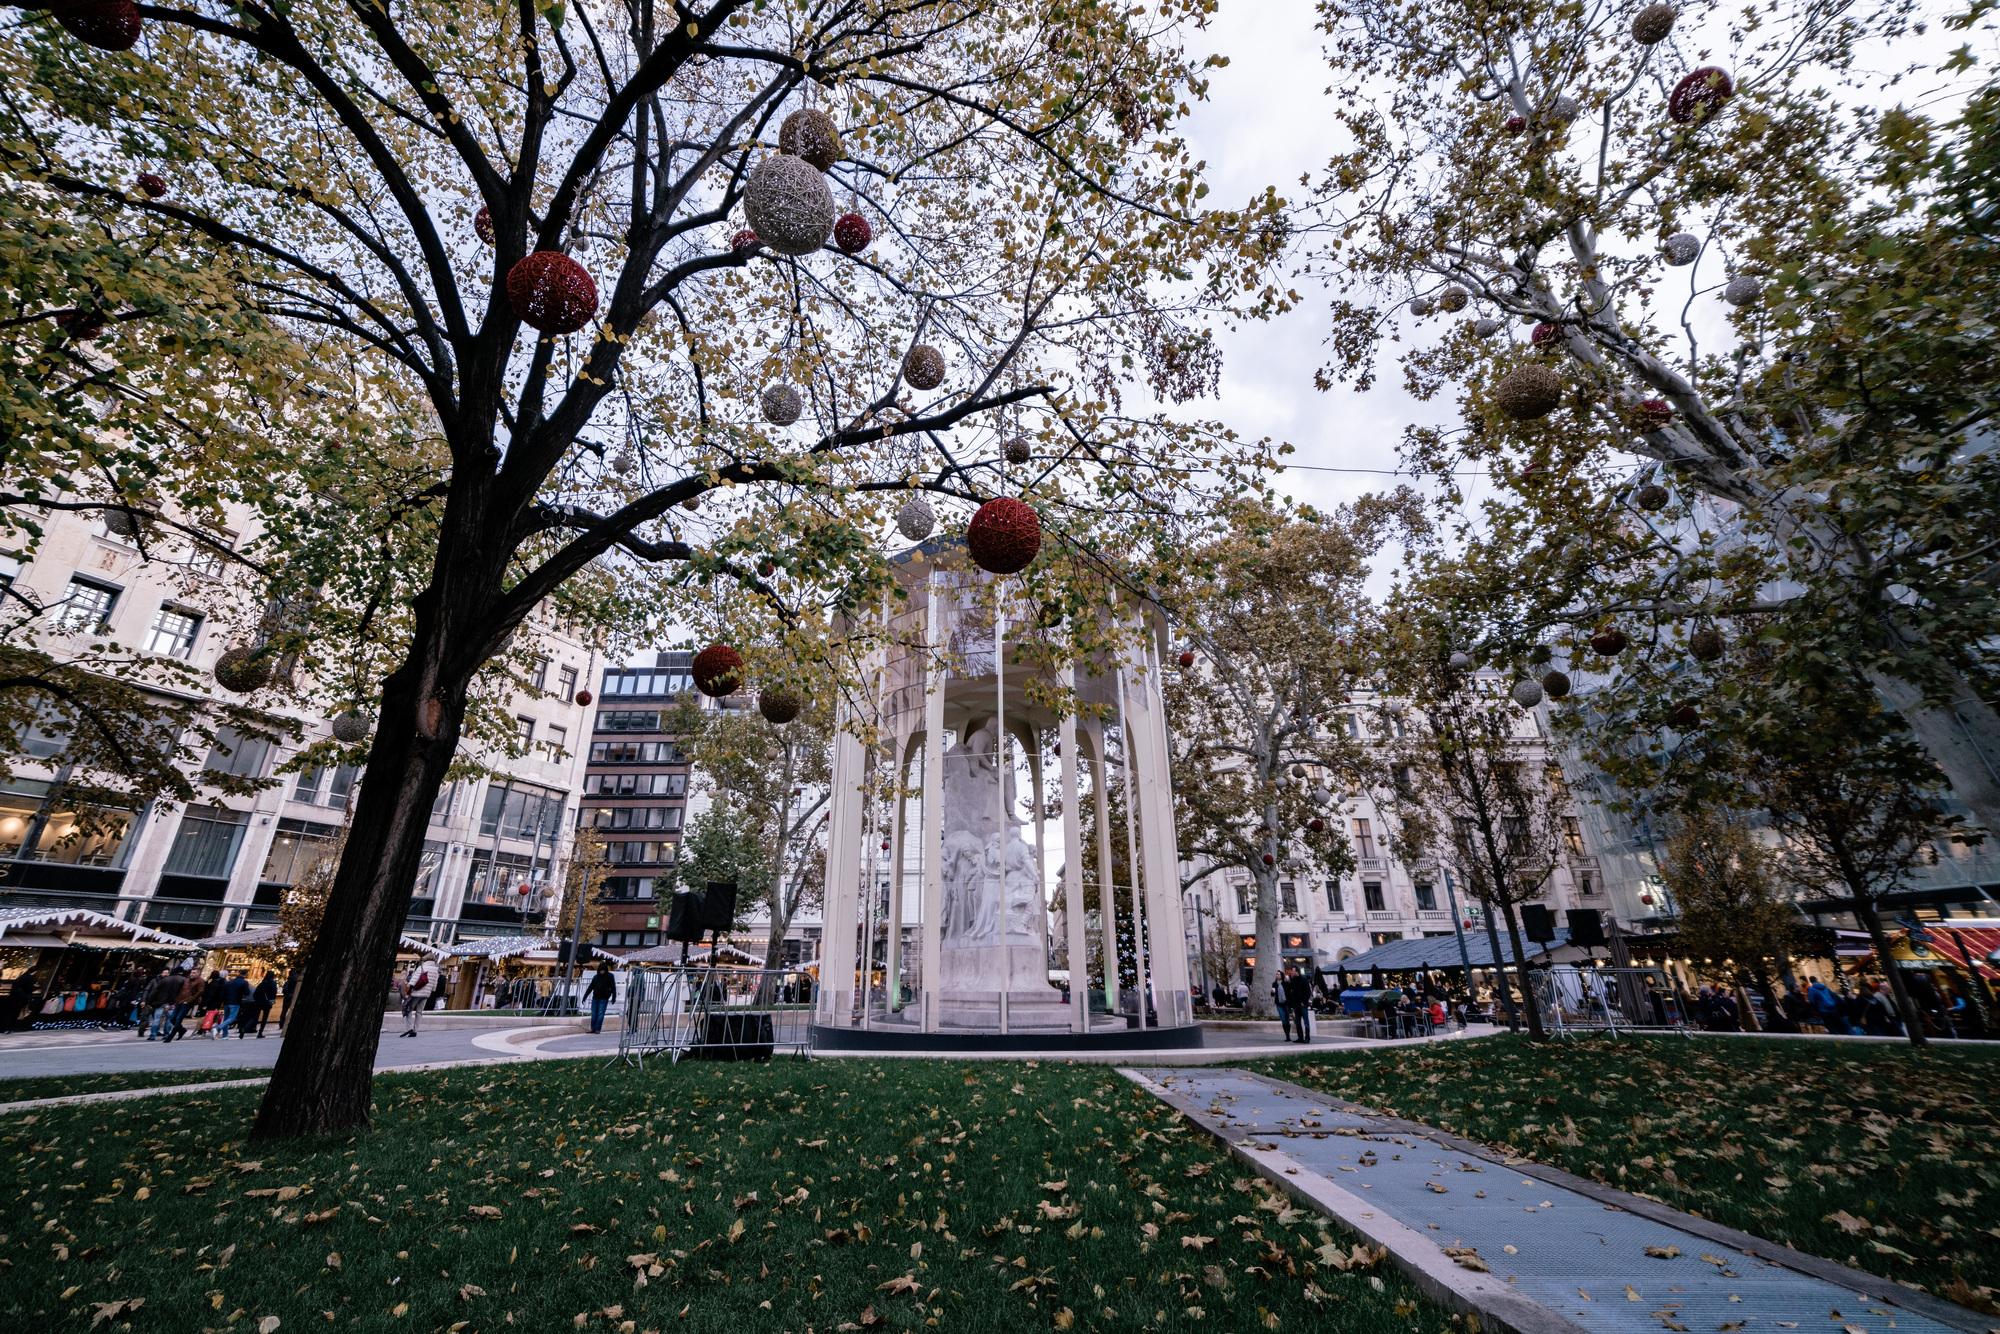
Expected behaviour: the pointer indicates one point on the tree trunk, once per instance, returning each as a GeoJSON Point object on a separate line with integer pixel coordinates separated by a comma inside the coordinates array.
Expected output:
{"type": "Point", "coordinates": [1269, 947]}
{"type": "Point", "coordinates": [1913, 1023]}
{"type": "Point", "coordinates": [1501, 996]}
{"type": "Point", "coordinates": [323, 1079]}
{"type": "Point", "coordinates": [1528, 1002]}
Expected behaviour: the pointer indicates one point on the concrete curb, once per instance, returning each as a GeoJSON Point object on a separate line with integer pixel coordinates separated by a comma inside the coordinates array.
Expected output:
{"type": "Point", "coordinates": [1872, 1286]}
{"type": "Point", "coordinates": [1418, 1257]}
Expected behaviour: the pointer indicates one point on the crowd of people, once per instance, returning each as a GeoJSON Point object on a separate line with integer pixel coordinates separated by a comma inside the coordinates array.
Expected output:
{"type": "Point", "coordinates": [158, 1007]}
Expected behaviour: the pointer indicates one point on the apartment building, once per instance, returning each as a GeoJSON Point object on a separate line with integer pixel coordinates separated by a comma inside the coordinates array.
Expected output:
{"type": "Point", "coordinates": [1323, 921]}
{"type": "Point", "coordinates": [635, 795]}
{"type": "Point", "coordinates": [222, 863]}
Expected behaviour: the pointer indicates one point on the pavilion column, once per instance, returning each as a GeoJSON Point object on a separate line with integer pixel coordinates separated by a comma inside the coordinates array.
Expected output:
{"type": "Point", "coordinates": [845, 815]}
{"type": "Point", "coordinates": [1107, 887]}
{"type": "Point", "coordinates": [1079, 945]}
{"type": "Point", "coordinates": [1146, 721]}
{"type": "Point", "coordinates": [892, 977]}
{"type": "Point", "coordinates": [1141, 951]}
{"type": "Point", "coordinates": [935, 673]}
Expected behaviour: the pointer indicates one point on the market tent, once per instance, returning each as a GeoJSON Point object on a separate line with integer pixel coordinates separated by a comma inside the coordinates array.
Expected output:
{"type": "Point", "coordinates": [58, 928]}
{"type": "Point", "coordinates": [416, 945]}
{"type": "Point", "coordinates": [492, 947]}
{"type": "Point", "coordinates": [672, 954]}
{"type": "Point", "coordinates": [252, 938]}
{"type": "Point", "coordinates": [1440, 953]}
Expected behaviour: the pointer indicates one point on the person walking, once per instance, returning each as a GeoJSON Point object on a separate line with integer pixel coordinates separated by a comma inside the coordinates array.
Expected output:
{"type": "Point", "coordinates": [1298, 997]}
{"type": "Point", "coordinates": [263, 998]}
{"type": "Point", "coordinates": [1284, 1008]}
{"type": "Point", "coordinates": [414, 987]}
{"type": "Point", "coordinates": [603, 987]}
{"type": "Point", "coordinates": [235, 995]}
{"type": "Point", "coordinates": [1825, 1007]}
{"type": "Point", "coordinates": [214, 996]}
{"type": "Point", "coordinates": [163, 994]}
{"type": "Point", "coordinates": [192, 986]}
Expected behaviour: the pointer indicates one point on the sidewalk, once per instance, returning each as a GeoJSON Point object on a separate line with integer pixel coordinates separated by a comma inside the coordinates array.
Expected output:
{"type": "Point", "coordinates": [1563, 1254]}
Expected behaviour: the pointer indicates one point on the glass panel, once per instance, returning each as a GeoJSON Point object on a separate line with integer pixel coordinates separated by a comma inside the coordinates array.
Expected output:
{"type": "Point", "coordinates": [16, 814]}
{"type": "Point", "coordinates": [292, 855]}
{"type": "Point", "coordinates": [237, 754]}
{"type": "Point", "coordinates": [85, 609]}
{"type": "Point", "coordinates": [206, 842]}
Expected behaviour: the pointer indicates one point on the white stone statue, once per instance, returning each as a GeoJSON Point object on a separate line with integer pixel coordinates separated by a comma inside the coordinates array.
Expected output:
{"type": "Point", "coordinates": [980, 904]}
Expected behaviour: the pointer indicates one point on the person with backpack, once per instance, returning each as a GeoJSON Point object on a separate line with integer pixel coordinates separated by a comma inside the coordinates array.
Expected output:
{"type": "Point", "coordinates": [262, 999]}
{"type": "Point", "coordinates": [415, 988]}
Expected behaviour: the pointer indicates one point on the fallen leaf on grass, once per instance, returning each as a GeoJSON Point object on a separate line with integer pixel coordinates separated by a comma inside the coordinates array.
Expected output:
{"type": "Point", "coordinates": [321, 1217]}
{"type": "Point", "coordinates": [1195, 1243]}
{"type": "Point", "coordinates": [867, 1320]}
{"type": "Point", "coordinates": [906, 1283]}
{"type": "Point", "coordinates": [1056, 1187]}
{"type": "Point", "coordinates": [112, 1310]}
{"type": "Point", "coordinates": [1846, 1222]}
{"type": "Point", "coordinates": [469, 1291]}
{"type": "Point", "coordinates": [484, 1211]}
{"type": "Point", "coordinates": [268, 1324]}
{"type": "Point", "coordinates": [251, 1166]}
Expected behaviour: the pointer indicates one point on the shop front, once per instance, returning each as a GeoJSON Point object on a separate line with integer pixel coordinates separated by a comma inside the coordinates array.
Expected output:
{"type": "Point", "coordinates": [64, 967]}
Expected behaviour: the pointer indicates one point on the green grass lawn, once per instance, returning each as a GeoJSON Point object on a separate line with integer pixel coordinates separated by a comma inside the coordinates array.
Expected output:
{"type": "Point", "coordinates": [1880, 1156]}
{"type": "Point", "coordinates": [564, 1195]}
{"type": "Point", "coordinates": [62, 1086]}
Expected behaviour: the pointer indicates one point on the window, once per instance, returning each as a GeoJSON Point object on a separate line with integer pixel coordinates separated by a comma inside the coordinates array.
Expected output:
{"type": "Point", "coordinates": [86, 609]}
{"type": "Point", "coordinates": [1516, 829]}
{"type": "Point", "coordinates": [558, 743]}
{"type": "Point", "coordinates": [1364, 839]}
{"type": "Point", "coordinates": [1426, 896]}
{"type": "Point", "coordinates": [1586, 884]}
{"type": "Point", "coordinates": [628, 720]}
{"type": "Point", "coordinates": [1353, 725]}
{"type": "Point", "coordinates": [330, 787]}
{"type": "Point", "coordinates": [521, 811]}
{"type": "Point", "coordinates": [634, 752]}
{"type": "Point", "coordinates": [1288, 894]}
{"type": "Point", "coordinates": [500, 881]}
{"type": "Point", "coordinates": [1333, 897]}
{"type": "Point", "coordinates": [237, 755]}
{"type": "Point", "coordinates": [643, 785]}
{"type": "Point", "coordinates": [1572, 836]}
{"type": "Point", "coordinates": [540, 678]}
{"type": "Point", "coordinates": [206, 842]}
{"type": "Point", "coordinates": [1371, 894]}
{"type": "Point", "coordinates": [524, 732]}
{"type": "Point", "coordinates": [568, 678]}
{"type": "Point", "coordinates": [208, 557]}
{"type": "Point", "coordinates": [1243, 908]}
{"type": "Point", "coordinates": [628, 887]}
{"type": "Point", "coordinates": [297, 848]}
{"type": "Point", "coordinates": [629, 854]}
{"type": "Point", "coordinates": [173, 631]}
{"type": "Point", "coordinates": [636, 817]}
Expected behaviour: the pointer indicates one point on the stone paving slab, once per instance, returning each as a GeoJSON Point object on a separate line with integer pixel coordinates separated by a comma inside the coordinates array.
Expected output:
{"type": "Point", "coordinates": [1576, 1249]}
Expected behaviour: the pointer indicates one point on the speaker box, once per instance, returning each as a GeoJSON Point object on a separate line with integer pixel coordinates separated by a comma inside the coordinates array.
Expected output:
{"type": "Point", "coordinates": [684, 919]}
{"type": "Point", "coordinates": [1586, 928]}
{"type": "Point", "coordinates": [735, 1037]}
{"type": "Point", "coordinates": [583, 952]}
{"type": "Point", "coordinates": [1538, 923]}
{"type": "Point", "coordinates": [718, 906]}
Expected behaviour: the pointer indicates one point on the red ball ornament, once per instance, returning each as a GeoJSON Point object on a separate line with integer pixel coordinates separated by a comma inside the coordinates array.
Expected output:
{"type": "Point", "coordinates": [1269, 860]}
{"type": "Point", "coordinates": [482, 223]}
{"type": "Point", "coordinates": [82, 325]}
{"type": "Point", "coordinates": [525, 889]}
{"type": "Point", "coordinates": [1699, 96]}
{"type": "Point", "coordinates": [1608, 643]}
{"type": "Point", "coordinates": [718, 670]}
{"type": "Point", "coordinates": [1651, 414]}
{"type": "Point", "coordinates": [852, 233]}
{"type": "Point", "coordinates": [1684, 716]}
{"type": "Point", "coordinates": [1546, 335]}
{"type": "Point", "coordinates": [1004, 536]}
{"type": "Point", "coordinates": [1187, 660]}
{"type": "Point", "coordinates": [108, 25]}
{"type": "Point", "coordinates": [1514, 125]}
{"type": "Point", "coordinates": [551, 292]}
{"type": "Point", "coordinates": [583, 697]}
{"type": "Point", "coordinates": [885, 845]}
{"type": "Point", "coordinates": [744, 241]}
{"type": "Point", "coordinates": [1316, 825]}
{"type": "Point", "coordinates": [153, 184]}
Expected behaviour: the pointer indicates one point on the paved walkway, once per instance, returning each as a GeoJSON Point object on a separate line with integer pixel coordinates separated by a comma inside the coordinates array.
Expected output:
{"type": "Point", "coordinates": [1594, 1264]}
{"type": "Point", "coordinates": [74, 1052]}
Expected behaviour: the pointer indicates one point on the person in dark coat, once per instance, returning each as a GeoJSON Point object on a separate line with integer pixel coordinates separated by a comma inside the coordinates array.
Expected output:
{"type": "Point", "coordinates": [1298, 992]}
{"type": "Point", "coordinates": [263, 998]}
{"type": "Point", "coordinates": [236, 994]}
{"type": "Point", "coordinates": [163, 995]}
{"type": "Point", "coordinates": [214, 1000]}
{"type": "Point", "coordinates": [602, 988]}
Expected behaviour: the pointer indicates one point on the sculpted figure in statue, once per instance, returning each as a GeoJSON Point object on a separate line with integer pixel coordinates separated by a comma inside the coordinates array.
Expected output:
{"type": "Point", "coordinates": [978, 898]}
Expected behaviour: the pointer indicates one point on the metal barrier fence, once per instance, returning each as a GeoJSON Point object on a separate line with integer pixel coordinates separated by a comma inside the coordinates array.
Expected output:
{"type": "Point", "coordinates": [721, 1014]}
{"type": "Point", "coordinates": [1576, 999]}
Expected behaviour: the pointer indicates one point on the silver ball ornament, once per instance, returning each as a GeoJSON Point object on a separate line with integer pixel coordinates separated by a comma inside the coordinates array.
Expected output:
{"type": "Point", "coordinates": [1682, 248]}
{"type": "Point", "coordinates": [782, 405]}
{"type": "Point", "coordinates": [788, 205]}
{"type": "Point", "coordinates": [1742, 290]}
{"type": "Point", "coordinates": [916, 519]}
{"type": "Point", "coordinates": [351, 727]}
{"type": "Point", "coordinates": [1527, 694]}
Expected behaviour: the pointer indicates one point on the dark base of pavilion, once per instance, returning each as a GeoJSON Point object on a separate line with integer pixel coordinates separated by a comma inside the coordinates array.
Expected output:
{"type": "Point", "coordinates": [827, 1038]}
